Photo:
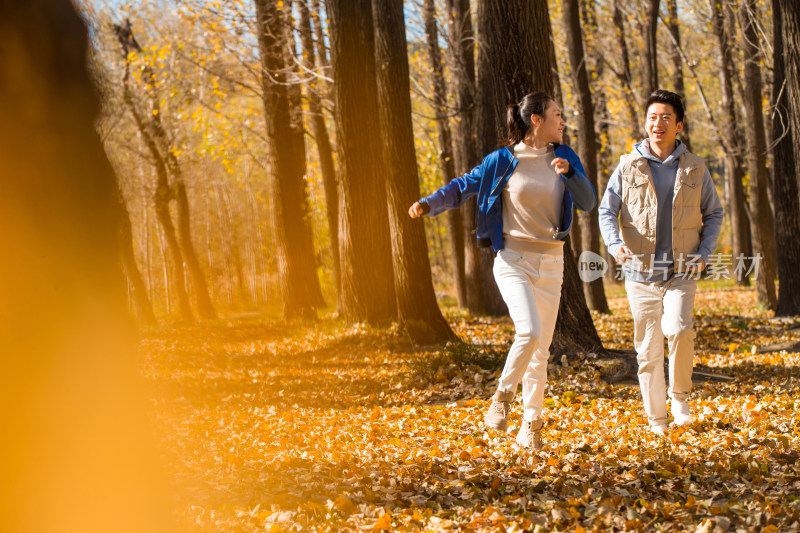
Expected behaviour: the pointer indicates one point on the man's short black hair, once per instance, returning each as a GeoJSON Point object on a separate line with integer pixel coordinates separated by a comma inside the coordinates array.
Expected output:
{"type": "Point", "coordinates": [661, 96]}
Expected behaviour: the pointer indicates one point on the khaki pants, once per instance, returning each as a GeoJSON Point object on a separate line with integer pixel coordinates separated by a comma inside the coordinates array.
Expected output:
{"type": "Point", "coordinates": [663, 308]}
{"type": "Point", "coordinates": [530, 284]}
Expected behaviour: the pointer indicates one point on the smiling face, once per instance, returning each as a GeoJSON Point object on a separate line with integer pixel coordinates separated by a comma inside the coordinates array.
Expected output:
{"type": "Point", "coordinates": [548, 128]}
{"type": "Point", "coordinates": [662, 126]}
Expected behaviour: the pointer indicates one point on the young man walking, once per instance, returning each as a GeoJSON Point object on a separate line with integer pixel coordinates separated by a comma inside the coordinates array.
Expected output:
{"type": "Point", "coordinates": [660, 218]}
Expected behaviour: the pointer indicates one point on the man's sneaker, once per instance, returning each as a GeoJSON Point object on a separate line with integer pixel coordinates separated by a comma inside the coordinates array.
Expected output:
{"type": "Point", "coordinates": [658, 429]}
{"type": "Point", "coordinates": [497, 416]}
{"type": "Point", "coordinates": [681, 413]}
{"type": "Point", "coordinates": [530, 434]}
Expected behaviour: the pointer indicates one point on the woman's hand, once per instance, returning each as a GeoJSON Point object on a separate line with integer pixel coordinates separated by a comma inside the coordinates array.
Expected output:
{"type": "Point", "coordinates": [560, 165]}
{"type": "Point", "coordinates": [415, 211]}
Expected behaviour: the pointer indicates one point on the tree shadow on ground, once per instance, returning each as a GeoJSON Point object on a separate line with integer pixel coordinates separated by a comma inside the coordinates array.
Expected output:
{"type": "Point", "coordinates": [749, 372]}
{"type": "Point", "coordinates": [267, 367]}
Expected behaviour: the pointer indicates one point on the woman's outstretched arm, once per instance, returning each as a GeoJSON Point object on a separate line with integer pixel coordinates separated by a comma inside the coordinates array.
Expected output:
{"type": "Point", "coordinates": [451, 196]}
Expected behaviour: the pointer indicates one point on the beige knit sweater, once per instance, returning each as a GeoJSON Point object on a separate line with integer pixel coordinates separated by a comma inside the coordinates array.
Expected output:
{"type": "Point", "coordinates": [532, 202]}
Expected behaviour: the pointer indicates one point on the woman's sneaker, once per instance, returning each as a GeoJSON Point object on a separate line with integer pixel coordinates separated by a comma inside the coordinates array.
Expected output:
{"type": "Point", "coordinates": [681, 413]}
{"type": "Point", "coordinates": [530, 434]}
{"type": "Point", "coordinates": [658, 429]}
{"type": "Point", "coordinates": [497, 416]}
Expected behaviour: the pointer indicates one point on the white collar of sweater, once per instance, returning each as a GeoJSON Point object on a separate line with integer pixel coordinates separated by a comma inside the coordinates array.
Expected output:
{"type": "Point", "coordinates": [524, 150]}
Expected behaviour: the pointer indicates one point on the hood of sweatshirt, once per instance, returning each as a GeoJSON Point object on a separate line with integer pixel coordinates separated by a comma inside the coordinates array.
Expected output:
{"type": "Point", "coordinates": [643, 149]}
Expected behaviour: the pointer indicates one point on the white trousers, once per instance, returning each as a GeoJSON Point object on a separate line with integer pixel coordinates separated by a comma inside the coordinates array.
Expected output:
{"type": "Point", "coordinates": [530, 284]}
{"type": "Point", "coordinates": [663, 308]}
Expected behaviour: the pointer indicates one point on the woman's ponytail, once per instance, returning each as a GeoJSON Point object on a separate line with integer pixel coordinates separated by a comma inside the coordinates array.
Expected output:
{"type": "Point", "coordinates": [517, 128]}
{"type": "Point", "coordinates": [519, 115]}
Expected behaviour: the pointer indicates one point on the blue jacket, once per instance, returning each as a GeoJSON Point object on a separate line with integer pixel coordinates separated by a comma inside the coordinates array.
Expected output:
{"type": "Point", "coordinates": [488, 180]}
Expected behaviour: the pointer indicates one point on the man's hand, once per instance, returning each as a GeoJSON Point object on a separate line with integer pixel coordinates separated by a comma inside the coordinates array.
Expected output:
{"type": "Point", "coordinates": [695, 264]}
{"type": "Point", "coordinates": [560, 165]}
{"type": "Point", "coordinates": [415, 211]}
{"type": "Point", "coordinates": [622, 254]}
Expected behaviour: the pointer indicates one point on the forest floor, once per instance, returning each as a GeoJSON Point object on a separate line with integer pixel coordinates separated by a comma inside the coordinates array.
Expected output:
{"type": "Point", "coordinates": [323, 427]}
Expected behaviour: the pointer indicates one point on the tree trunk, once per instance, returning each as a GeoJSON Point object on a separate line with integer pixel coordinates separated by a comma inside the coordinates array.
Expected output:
{"type": "Point", "coordinates": [650, 59]}
{"type": "Point", "coordinates": [492, 97]}
{"type": "Point", "coordinates": [304, 233]}
{"type": "Point", "coordinates": [575, 331]}
{"type": "Point", "coordinates": [298, 280]}
{"type": "Point", "coordinates": [322, 139]}
{"type": "Point", "coordinates": [161, 199]}
{"type": "Point", "coordinates": [316, 12]}
{"type": "Point", "coordinates": [515, 59]}
{"type": "Point", "coordinates": [143, 305]}
{"type": "Point", "coordinates": [461, 60]}
{"type": "Point", "coordinates": [605, 158]}
{"type": "Point", "coordinates": [791, 25]}
{"type": "Point", "coordinates": [786, 47]}
{"type": "Point", "coordinates": [762, 226]}
{"type": "Point", "coordinates": [365, 247]}
{"type": "Point", "coordinates": [576, 241]}
{"type": "Point", "coordinates": [161, 148]}
{"type": "Point", "coordinates": [461, 56]}
{"type": "Point", "coordinates": [677, 63]}
{"type": "Point", "coordinates": [510, 65]}
{"type": "Point", "coordinates": [446, 158]}
{"type": "Point", "coordinates": [163, 191]}
{"type": "Point", "coordinates": [587, 143]}
{"type": "Point", "coordinates": [624, 74]}
{"type": "Point", "coordinates": [417, 309]}
{"type": "Point", "coordinates": [235, 249]}
{"type": "Point", "coordinates": [731, 144]}
{"type": "Point", "coordinates": [204, 306]}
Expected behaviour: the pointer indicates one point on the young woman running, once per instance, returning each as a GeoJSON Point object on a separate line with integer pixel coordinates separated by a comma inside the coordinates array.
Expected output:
{"type": "Point", "coordinates": [525, 196]}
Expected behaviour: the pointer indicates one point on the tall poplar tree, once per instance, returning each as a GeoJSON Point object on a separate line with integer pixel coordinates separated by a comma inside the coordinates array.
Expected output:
{"type": "Point", "coordinates": [319, 132]}
{"type": "Point", "coordinates": [731, 141]}
{"type": "Point", "coordinates": [650, 59]}
{"type": "Point", "coordinates": [364, 244]}
{"type": "Point", "coordinates": [417, 309]}
{"type": "Point", "coordinates": [299, 284]}
{"type": "Point", "coordinates": [455, 217]}
{"type": "Point", "coordinates": [151, 127]}
{"type": "Point", "coordinates": [786, 167]}
{"type": "Point", "coordinates": [461, 59]}
{"type": "Point", "coordinates": [677, 63]}
{"type": "Point", "coordinates": [762, 226]}
{"type": "Point", "coordinates": [624, 70]}
{"type": "Point", "coordinates": [587, 143]}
